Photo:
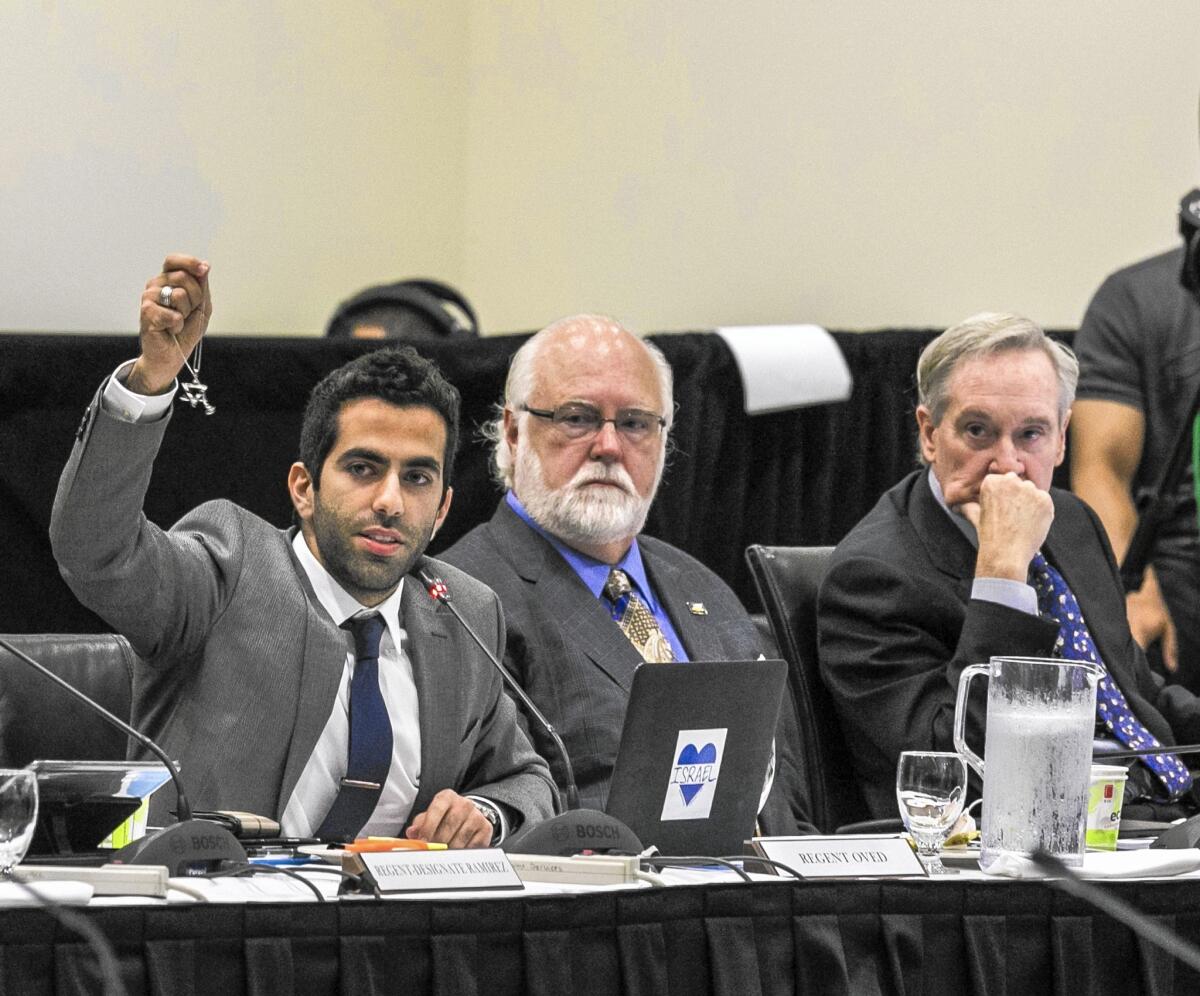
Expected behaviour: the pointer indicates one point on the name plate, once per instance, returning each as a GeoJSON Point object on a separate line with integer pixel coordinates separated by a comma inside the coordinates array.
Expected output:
{"type": "Point", "coordinates": [843, 855]}
{"type": "Point", "coordinates": [436, 871]}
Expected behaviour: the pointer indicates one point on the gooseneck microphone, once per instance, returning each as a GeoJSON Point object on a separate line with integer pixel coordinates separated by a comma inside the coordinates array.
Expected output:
{"type": "Point", "coordinates": [572, 831]}
{"type": "Point", "coordinates": [440, 593]}
{"type": "Point", "coordinates": [1100, 756]}
{"type": "Point", "coordinates": [186, 847]}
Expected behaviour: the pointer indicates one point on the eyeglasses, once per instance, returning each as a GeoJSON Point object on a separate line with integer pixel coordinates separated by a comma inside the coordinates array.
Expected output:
{"type": "Point", "coordinates": [577, 421]}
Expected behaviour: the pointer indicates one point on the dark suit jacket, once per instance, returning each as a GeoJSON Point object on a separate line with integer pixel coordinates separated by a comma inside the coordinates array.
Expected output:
{"type": "Point", "coordinates": [898, 626]}
{"type": "Point", "coordinates": [241, 662]}
{"type": "Point", "coordinates": [577, 665]}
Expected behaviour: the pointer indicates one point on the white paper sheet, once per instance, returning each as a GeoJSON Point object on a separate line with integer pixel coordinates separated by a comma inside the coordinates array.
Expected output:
{"type": "Point", "coordinates": [787, 366]}
{"type": "Point", "coordinates": [62, 893]}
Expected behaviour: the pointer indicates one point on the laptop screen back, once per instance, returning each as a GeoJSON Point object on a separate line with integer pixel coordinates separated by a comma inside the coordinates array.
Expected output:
{"type": "Point", "coordinates": [694, 753]}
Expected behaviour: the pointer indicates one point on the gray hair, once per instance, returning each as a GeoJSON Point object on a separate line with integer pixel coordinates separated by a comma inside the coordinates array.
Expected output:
{"type": "Point", "coordinates": [519, 385]}
{"type": "Point", "coordinates": [986, 334]}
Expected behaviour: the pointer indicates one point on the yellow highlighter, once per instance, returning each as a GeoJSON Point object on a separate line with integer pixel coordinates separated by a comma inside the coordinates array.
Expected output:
{"type": "Point", "coordinates": [428, 845]}
{"type": "Point", "coordinates": [376, 844]}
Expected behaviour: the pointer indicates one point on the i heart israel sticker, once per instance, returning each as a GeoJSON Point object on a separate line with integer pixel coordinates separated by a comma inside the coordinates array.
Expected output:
{"type": "Point", "coordinates": [695, 770]}
{"type": "Point", "coordinates": [695, 764]}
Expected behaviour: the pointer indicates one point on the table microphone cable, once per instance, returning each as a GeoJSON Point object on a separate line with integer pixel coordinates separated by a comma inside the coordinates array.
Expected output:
{"type": "Point", "coordinates": [358, 882]}
{"type": "Point", "coordinates": [249, 871]}
{"type": "Point", "coordinates": [734, 862]}
{"type": "Point", "coordinates": [753, 859]}
{"type": "Point", "coordinates": [1123, 912]}
{"type": "Point", "coordinates": [696, 861]}
{"type": "Point", "coordinates": [93, 936]}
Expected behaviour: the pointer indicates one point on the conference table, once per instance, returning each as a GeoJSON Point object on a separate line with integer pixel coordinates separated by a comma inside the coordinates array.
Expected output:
{"type": "Point", "coordinates": [710, 933]}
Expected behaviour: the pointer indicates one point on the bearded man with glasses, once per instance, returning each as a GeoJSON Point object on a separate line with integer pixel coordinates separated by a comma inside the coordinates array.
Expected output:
{"type": "Point", "coordinates": [580, 442]}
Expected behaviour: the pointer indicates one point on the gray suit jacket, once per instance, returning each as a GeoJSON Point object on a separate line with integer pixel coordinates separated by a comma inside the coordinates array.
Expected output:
{"type": "Point", "coordinates": [577, 665]}
{"type": "Point", "coordinates": [243, 663]}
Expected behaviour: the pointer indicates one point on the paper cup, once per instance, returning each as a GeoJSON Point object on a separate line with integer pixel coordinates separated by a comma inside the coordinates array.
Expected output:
{"type": "Point", "coordinates": [1105, 795]}
{"type": "Point", "coordinates": [134, 828]}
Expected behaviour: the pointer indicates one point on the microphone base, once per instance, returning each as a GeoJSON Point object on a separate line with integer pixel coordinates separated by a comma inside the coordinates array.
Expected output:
{"type": "Point", "coordinates": [192, 847]}
{"type": "Point", "coordinates": [574, 831]}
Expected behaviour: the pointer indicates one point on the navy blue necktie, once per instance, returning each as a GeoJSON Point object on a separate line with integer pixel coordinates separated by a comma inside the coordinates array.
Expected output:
{"type": "Point", "coordinates": [370, 755]}
{"type": "Point", "coordinates": [1057, 602]}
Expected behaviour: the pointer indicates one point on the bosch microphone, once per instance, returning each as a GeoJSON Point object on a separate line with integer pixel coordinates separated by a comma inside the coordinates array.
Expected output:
{"type": "Point", "coordinates": [187, 846]}
{"type": "Point", "coordinates": [576, 829]}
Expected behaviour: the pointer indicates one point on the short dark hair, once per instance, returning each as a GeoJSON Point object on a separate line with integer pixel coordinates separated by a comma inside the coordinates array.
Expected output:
{"type": "Point", "coordinates": [399, 376]}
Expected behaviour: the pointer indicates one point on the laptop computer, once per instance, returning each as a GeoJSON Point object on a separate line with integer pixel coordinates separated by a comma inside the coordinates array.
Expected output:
{"type": "Point", "coordinates": [80, 803]}
{"type": "Point", "coordinates": [694, 753]}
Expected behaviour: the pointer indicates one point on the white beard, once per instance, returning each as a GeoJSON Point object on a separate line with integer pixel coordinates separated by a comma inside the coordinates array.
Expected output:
{"type": "Point", "coordinates": [580, 511]}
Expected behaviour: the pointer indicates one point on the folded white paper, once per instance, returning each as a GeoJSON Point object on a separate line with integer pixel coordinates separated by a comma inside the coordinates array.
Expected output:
{"type": "Point", "coordinates": [61, 893]}
{"type": "Point", "coordinates": [787, 366]}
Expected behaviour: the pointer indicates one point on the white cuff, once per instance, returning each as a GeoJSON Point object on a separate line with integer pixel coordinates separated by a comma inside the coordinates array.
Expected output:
{"type": "Point", "coordinates": [123, 403]}
{"type": "Point", "coordinates": [1005, 591]}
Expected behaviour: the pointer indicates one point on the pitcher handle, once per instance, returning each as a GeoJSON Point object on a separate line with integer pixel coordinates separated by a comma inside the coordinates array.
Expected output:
{"type": "Point", "coordinates": [960, 717]}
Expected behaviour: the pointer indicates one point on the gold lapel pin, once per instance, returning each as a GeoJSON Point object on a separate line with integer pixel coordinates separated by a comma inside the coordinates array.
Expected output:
{"type": "Point", "coordinates": [697, 608]}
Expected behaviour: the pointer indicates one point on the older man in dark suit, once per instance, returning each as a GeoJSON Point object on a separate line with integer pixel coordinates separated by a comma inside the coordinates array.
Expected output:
{"type": "Point", "coordinates": [294, 673]}
{"type": "Point", "coordinates": [976, 555]}
{"type": "Point", "coordinates": [580, 446]}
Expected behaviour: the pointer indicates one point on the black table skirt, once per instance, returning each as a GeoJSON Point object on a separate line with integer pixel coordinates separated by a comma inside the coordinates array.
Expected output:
{"type": "Point", "coordinates": [958, 938]}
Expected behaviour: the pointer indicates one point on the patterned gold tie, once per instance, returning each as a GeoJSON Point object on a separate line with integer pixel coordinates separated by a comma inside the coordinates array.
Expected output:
{"type": "Point", "coordinates": [636, 621]}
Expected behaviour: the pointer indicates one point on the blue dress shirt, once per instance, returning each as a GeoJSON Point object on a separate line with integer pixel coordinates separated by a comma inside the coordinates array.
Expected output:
{"type": "Point", "coordinates": [593, 573]}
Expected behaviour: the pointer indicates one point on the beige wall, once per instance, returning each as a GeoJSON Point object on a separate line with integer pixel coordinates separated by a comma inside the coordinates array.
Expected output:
{"type": "Point", "coordinates": [306, 149]}
{"type": "Point", "coordinates": [681, 163]}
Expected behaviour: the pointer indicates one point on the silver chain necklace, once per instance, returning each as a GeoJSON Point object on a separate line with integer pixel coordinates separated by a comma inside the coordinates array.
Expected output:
{"type": "Point", "coordinates": [195, 393]}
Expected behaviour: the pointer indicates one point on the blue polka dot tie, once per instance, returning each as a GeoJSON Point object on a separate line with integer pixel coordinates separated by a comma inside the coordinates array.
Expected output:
{"type": "Point", "coordinates": [1057, 602]}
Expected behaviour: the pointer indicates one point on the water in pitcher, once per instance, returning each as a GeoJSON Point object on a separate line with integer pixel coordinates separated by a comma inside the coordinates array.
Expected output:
{"type": "Point", "coordinates": [1037, 766]}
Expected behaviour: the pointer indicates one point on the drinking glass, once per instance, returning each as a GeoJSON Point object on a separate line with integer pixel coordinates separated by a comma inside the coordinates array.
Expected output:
{"type": "Point", "coordinates": [930, 789]}
{"type": "Point", "coordinates": [18, 815]}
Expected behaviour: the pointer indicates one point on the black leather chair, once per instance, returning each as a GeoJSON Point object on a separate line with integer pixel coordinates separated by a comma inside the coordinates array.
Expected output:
{"type": "Point", "coordinates": [39, 720]}
{"type": "Point", "coordinates": [787, 579]}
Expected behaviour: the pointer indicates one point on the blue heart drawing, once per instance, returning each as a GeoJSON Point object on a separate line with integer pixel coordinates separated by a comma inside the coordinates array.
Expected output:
{"type": "Point", "coordinates": [689, 755]}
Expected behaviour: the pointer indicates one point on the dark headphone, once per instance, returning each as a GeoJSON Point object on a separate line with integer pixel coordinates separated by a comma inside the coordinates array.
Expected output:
{"type": "Point", "coordinates": [422, 308]}
{"type": "Point", "coordinates": [1189, 228]}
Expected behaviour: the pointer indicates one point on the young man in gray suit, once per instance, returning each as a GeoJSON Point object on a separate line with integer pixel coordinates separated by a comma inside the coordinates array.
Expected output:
{"type": "Point", "coordinates": [580, 446]}
{"type": "Point", "coordinates": [252, 676]}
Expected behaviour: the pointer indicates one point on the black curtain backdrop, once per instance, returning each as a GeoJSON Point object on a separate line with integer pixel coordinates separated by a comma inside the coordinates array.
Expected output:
{"type": "Point", "coordinates": [794, 478]}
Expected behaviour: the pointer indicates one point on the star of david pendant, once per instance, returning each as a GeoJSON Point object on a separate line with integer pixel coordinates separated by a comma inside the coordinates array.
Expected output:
{"type": "Point", "coordinates": [194, 393]}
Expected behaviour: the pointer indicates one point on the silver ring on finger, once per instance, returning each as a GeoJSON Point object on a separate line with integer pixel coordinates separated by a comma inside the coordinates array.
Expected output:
{"type": "Point", "coordinates": [164, 295]}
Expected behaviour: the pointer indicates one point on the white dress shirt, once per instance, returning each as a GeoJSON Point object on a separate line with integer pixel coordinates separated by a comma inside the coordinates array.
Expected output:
{"type": "Point", "coordinates": [317, 786]}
